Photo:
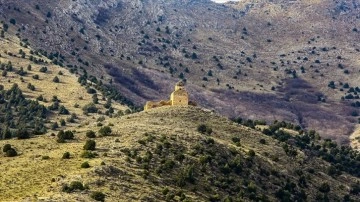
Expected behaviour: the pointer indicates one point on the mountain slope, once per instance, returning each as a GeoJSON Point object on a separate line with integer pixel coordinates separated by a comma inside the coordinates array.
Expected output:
{"type": "Point", "coordinates": [62, 100]}
{"type": "Point", "coordinates": [168, 153]}
{"type": "Point", "coordinates": [162, 155]}
{"type": "Point", "coordinates": [239, 59]}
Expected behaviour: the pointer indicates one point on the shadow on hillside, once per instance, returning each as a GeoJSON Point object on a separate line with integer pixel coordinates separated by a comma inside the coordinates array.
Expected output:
{"type": "Point", "coordinates": [296, 102]}
{"type": "Point", "coordinates": [132, 80]}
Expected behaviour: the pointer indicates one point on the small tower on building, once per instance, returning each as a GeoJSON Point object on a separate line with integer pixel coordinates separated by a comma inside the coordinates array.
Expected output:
{"type": "Point", "coordinates": [179, 96]}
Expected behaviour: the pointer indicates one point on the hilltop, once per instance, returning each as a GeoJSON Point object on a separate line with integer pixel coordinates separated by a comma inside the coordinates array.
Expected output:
{"type": "Point", "coordinates": [278, 60]}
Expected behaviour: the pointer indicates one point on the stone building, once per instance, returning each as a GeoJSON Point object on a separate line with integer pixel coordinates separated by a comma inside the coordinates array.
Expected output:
{"type": "Point", "coordinates": [177, 98]}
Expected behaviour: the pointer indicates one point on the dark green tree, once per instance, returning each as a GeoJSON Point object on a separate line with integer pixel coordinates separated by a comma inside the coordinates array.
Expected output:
{"type": "Point", "coordinates": [6, 147]}
{"type": "Point", "coordinates": [56, 79]}
{"type": "Point", "coordinates": [90, 145]}
{"type": "Point", "coordinates": [98, 196]}
{"type": "Point", "coordinates": [105, 131]}
{"type": "Point", "coordinates": [90, 134]}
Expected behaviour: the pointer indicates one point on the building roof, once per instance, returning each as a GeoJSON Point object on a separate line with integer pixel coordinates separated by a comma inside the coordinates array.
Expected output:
{"type": "Point", "coordinates": [180, 83]}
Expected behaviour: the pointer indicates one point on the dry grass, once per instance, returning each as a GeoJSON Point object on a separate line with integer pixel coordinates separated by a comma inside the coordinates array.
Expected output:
{"type": "Point", "coordinates": [355, 139]}
{"type": "Point", "coordinates": [68, 90]}
{"type": "Point", "coordinates": [28, 176]}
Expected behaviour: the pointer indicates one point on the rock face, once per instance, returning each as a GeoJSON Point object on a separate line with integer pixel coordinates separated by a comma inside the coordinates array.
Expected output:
{"type": "Point", "coordinates": [256, 59]}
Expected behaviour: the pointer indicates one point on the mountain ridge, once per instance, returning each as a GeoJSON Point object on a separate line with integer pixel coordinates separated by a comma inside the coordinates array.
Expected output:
{"type": "Point", "coordinates": [240, 48]}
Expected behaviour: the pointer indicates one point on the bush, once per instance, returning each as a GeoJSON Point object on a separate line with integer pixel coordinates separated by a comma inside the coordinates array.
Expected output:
{"type": "Point", "coordinates": [70, 119]}
{"type": "Point", "coordinates": [202, 128]}
{"type": "Point", "coordinates": [354, 113]}
{"type": "Point", "coordinates": [40, 98]}
{"type": "Point", "coordinates": [90, 134]}
{"type": "Point", "coordinates": [22, 134]}
{"type": "Point", "coordinates": [355, 189]}
{"type": "Point", "coordinates": [88, 154]}
{"type": "Point", "coordinates": [11, 152]}
{"type": "Point", "coordinates": [60, 140]}
{"type": "Point", "coordinates": [85, 165]}
{"type": "Point", "coordinates": [6, 148]}
{"type": "Point", "coordinates": [90, 108]}
{"type": "Point", "coordinates": [262, 141]}
{"type": "Point", "coordinates": [324, 187]}
{"type": "Point", "coordinates": [100, 119]}
{"type": "Point", "coordinates": [35, 77]}
{"type": "Point", "coordinates": [332, 171]}
{"type": "Point", "coordinates": [251, 153]}
{"type": "Point", "coordinates": [31, 87]}
{"type": "Point", "coordinates": [194, 56]}
{"type": "Point", "coordinates": [56, 79]}
{"type": "Point", "coordinates": [91, 91]}
{"type": "Point", "coordinates": [66, 155]}
{"type": "Point", "coordinates": [165, 191]}
{"type": "Point", "coordinates": [208, 131]}
{"type": "Point", "coordinates": [4, 73]}
{"type": "Point", "coordinates": [54, 126]}
{"type": "Point", "coordinates": [62, 122]}
{"type": "Point", "coordinates": [235, 139]}
{"type": "Point", "coordinates": [45, 157]}
{"type": "Point", "coordinates": [75, 185]}
{"type": "Point", "coordinates": [63, 110]}
{"type": "Point", "coordinates": [90, 145]}
{"type": "Point", "coordinates": [186, 175]}
{"type": "Point", "coordinates": [62, 136]}
{"type": "Point", "coordinates": [13, 21]}
{"type": "Point", "coordinates": [43, 69]}
{"type": "Point", "coordinates": [98, 196]}
{"type": "Point", "coordinates": [105, 131]}
{"type": "Point", "coordinates": [67, 135]}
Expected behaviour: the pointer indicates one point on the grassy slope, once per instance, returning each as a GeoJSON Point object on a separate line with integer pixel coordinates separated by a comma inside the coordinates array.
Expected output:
{"type": "Point", "coordinates": [68, 90]}
{"type": "Point", "coordinates": [23, 173]}
{"type": "Point", "coordinates": [122, 178]}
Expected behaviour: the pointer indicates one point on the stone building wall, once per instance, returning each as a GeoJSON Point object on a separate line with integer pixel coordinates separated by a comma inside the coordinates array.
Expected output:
{"type": "Point", "coordinates": [178, 97]}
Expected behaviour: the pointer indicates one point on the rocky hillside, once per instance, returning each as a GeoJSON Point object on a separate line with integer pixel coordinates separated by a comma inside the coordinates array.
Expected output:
{"type": "Point", "coordinates": [37, 97]}
{"type": "Point", "coordinates": [263, 60]}
{"type": "Point", "coordinates": [66, 138]}
{"type": "Point", "coordinates": [181, 154]}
